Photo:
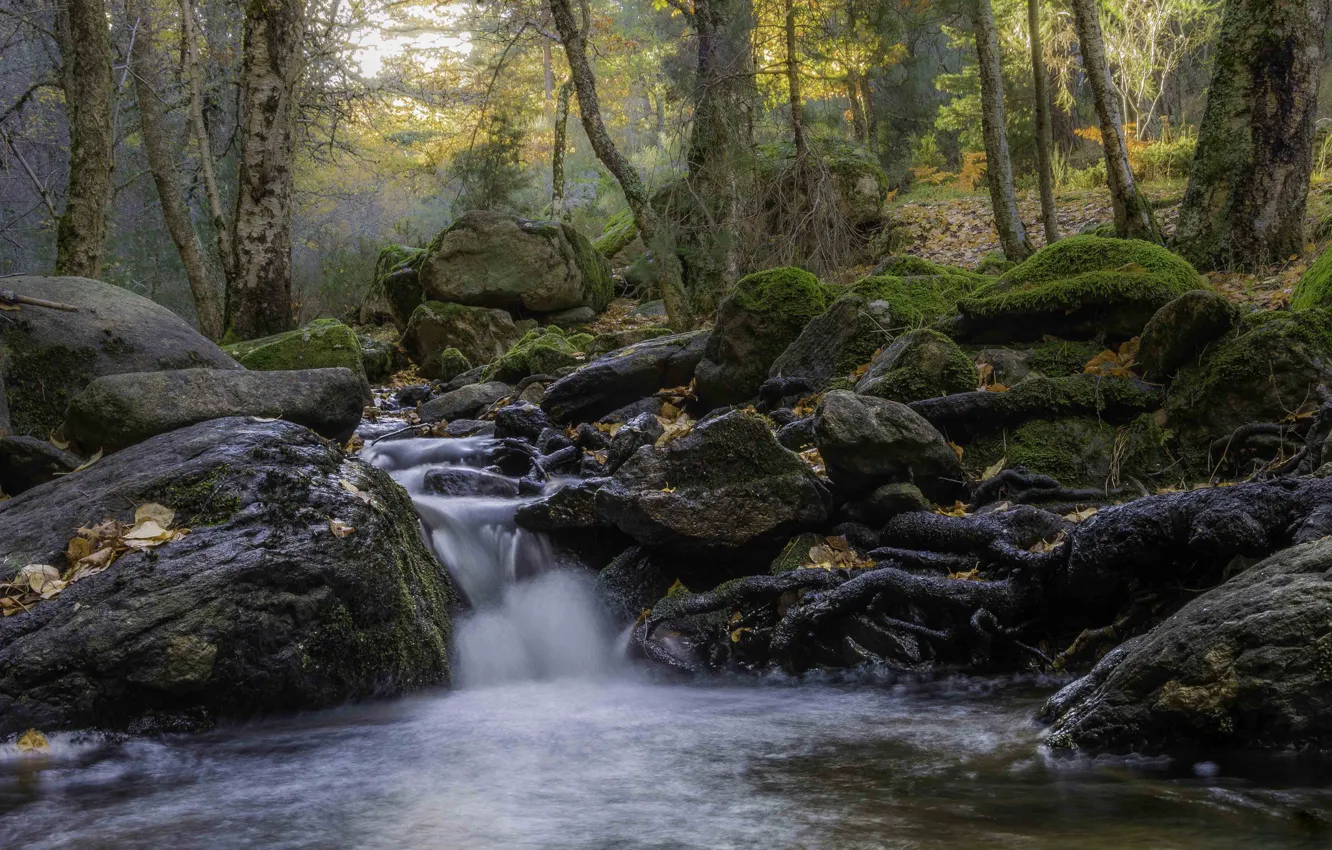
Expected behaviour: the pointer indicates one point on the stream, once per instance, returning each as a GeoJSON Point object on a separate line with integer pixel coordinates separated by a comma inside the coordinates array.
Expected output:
{"type": "Point", "coordinates": [552, 739]}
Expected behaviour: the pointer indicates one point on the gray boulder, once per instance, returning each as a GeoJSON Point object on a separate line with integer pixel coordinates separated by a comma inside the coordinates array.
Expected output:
{"type": "Point", "coordinates": [836, 343]}
{"type": "Point", "coordinates": [259, 608]}
{"type": "Point", "coordinates": [919, 364]}
{"type": "Point", "coordinates": [624, 376]}
{"type": "Point", "coordinates": [724, 485]}
{"type": "Point", "coordinates": [120, 410]}
{"type": "Point", "coordinates": [48, 356]}
{"type": "Point", "coordinates": [26, 462]}
{"type": "Point", "coordinates": [1180, 330]}
{"type": "Point", "coordinates": [464, 402]}
{"type": "Point", "coordinates": [487, 259]}
{"type": "Point", "coordinates": [479, 334]}
{"type": "Point", "coordinates": [866, 442]}
{"type": "Point", "coordinates": [1246, 664]}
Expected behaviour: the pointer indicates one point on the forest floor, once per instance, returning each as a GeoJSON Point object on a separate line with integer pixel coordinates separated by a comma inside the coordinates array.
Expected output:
{"type": "Point", "coordinates": [958, 229]}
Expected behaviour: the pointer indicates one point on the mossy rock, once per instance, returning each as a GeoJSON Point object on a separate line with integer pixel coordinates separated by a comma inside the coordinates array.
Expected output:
{"type": "Point", "coordinates": [452, 363]}
{"type": "Point", "coordinates": [795, 553]}
{"type": "Point", "coordinates": [1315, 285]}
{"type": "Point", "coordinates": [478, 333]}
{"type": "Point", "coordinates": [321, 344]}
{"type": "Point", "coordinates": [384, 302]}
{"type": "Point", "coordinates": [1061, 358]}
{"type": "Point", "coordinates": [994, 264]}
{"type": "Point", "coordinates": [921, 364]}
{"type": "Point", "coordinates": [1078, 288]}
{"type": "Point", "coordinates": [543, 352]}
{"type": "Point", "coordinates": [608, 342]}
{"type": "Point", "coordinates": [619, 232]}
{"type": "Point", "coordinates": [1078, 451]}
{"type": "Point", "coordinates": [376, 357]}
{"type": "Point", "coordinates": [1269, 369]}
{"type": "Point", "coordinates": [905, 265]}
{"type": "Point", "coordinates": [860, 182]}
{"type": "Point", "coordinates": [918, 300]}
{"type": "Point", "coordinates": [1181, 329]}
{"type": "Point", "coordinates": [835, 344]}
{"type": "Point", "coordinates": [761, 316]}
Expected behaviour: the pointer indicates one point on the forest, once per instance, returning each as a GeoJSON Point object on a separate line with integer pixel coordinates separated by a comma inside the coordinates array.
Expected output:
{"type": "Point", "coordinates": [665, 423]}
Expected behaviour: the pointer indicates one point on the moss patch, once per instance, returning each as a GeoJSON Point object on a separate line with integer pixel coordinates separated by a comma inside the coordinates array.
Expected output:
{"type": "Point", "coordinates": [919, 365]}
{"type": "Point", "coordinates": [1078, 451]}
{"type": "Point", "coordinates": [539, 352]}
{"type": "Point", "coordinates": [321, 344]}
{"type": "Point", "coordinates": [1058, 358]}
{"type": "Point", "coordinates": [201, 500]}
{"type": "Point", "coordinates": [619, 231]}
{"type": "Point", "coordinates": [1315, 286]}
{"type": "Point", "coordinates": [919, 299]}
{"type": "Point", "coordinates": [40, 381]}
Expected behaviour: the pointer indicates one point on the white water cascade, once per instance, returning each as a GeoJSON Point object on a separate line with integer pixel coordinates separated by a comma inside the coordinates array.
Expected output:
{"type": "Point", "coordinates": [528, 618]}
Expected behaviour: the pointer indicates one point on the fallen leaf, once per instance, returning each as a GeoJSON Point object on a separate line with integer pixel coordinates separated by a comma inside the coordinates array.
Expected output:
{"type": "Point", "coordinates": [957, 450]}
{"type": "Point", "coordinates": [151, 511]}
{"type": "Point", "coordinates": [33, 741]}
{"type": "Point", "coordinates": [63, 445]}
{"type": "Point", "coordinates": [339, 528]}
{"type": "Point", "coordinates": [994, 469]}
{"type": "Point", "coordinates": [1079, 516]}
{"type": "Point", "coordinates": [97, 455]}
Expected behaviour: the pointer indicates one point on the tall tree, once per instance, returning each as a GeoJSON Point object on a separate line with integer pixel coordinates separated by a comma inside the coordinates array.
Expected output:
{"type": "Point", "coordinates": [259, 296]}
{"type": "Point", "coordinates": [1248, 188]}
{"type": "Point", "coordinates": [1044, 132]}
{"type": "Point", "coordinates": [175, 212]}
{"type": "Point", "coordinates": [650, 226]}
{"type": "Point", "coordinates": [194, 74]}
{"type": "Point", "coordinates": [557, 207]}
{"type": "Point", "coordinates": [1133, 214]}
{"type": "Point", "coordinates": [85, 76]}
{"type": "Point", "coordinates": [998, 164]}
{"type": "Point", "coordinates": [797, 103]}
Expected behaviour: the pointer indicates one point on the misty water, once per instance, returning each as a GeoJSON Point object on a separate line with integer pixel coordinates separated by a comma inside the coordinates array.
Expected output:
{"type": "Point", "coordinates": [552, 739]}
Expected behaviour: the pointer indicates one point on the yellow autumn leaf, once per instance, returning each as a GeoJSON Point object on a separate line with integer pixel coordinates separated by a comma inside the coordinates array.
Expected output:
{"type": "Point", "coordinates": [994, 469]}
{"type": "Point", "coordinates": [339, 528]}
{"type": "Point", "coordinates": [97, 455]}
{"type": "Point", "coordinates": [159, 514]}
{"type": "Point", "coordinates": [33, 741]}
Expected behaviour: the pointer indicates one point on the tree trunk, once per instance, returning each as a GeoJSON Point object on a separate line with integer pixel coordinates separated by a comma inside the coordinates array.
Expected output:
{"type": "Point", "coordinates": [1044, 131]}
{"type": "Point", "coordinates": [852, 83]}
{"type": "Point", "coordinates": [85, 76]}
{"type": "Point", "coordinates": [260, 300]}
{"type": "Point", "coordinates": [725, 91]}
{"type": "Point", "coordinates": [998, 164]}
{"type": "Point", "coordinates": [194, 74]}
{"type": "Point", "coordinates": [557, 208]}
{"type": "Point", "coordinates": [793, 89]}
{"type": "Point", "coordinates": [871, 117]}
{"type": "Point", "coordinates": [1249, 184]}
{"type": "Point", "coordinates": [175, 212]}
{"type": "Point", "coordinates": [1133, 214]}
{"type": "Point", "coordinates": [650, 228]}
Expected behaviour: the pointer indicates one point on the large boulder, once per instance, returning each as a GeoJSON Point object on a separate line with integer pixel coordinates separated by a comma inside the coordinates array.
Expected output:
{"type": "Point", "coordinates": [540, 352]}
{"type": "Point", "coordinates": [395, 288]}
{"type": "Point", "coordinates": [837, 342]}
{"type": "Point", "coordinates": [1077, 288]}
{"type": "Point", "coordinates": [866, 442]}
{"type": "Point", "coordinates": [1180, 330]}
{"type": "Point", "coordinates": [487, 259]}
{"type": "Point", "coordinates": [919, 364]}
{"type": "Point", "coordinates": [120, 410]}
{"type": "Point", "coordinates": [265, 605]}
{"type": "Point", "coordinates": [480, 334]}
{"type": "Point", "coordinates": [321, 344]}
{"type": "Point", "coordinates": [726, 484]}
{"type": "Point", "coordinates": [464, 402]}
{"type": "Point", "coordinates": [48, 356]}
{"type": "Point", "coordinates": [1246, 664]}
{"type": "Point", "coordinates": [624, 376]}
{"type": "Point", "coordinates": [762, 315]}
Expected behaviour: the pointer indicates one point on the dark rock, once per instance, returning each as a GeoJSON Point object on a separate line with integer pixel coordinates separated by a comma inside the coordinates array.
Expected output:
{"type": "Point", "coordinates": [890, 500]}
{"type": "Point", "coordinates": [919, 364]}
{"type": "Point", "coordinates": [475, 375]}
{"type": "Point", "coordinates": [552, 440]}
{"type": "Point", "coordinates": [650, 405]}
{"type": "Point", "coordinates": [642, 430]}
{"type": "Point", "coordinates": [836, 343]}
{"type": "Point", "coordinates": [26, 462]}
{"type": "Point", "coordinates": [782, 416]}
{"type": "Point", "coordinates": [1008, 366]}
{"type": "Point", "coordinates": [5, 427]}
{"type": "Point", "coordinates": [48, 356]}
{"type": "Point", "coordinates": [260, 608]}
{"type": "Point", "coordinates": [866, 442]}
{"type": "Point", "coordinates": [120, 410]}
{"type": "Point", "coordinates": [632, 583]}
{"type": "Point", "coordinates": [521, 420]}
{"type": "Point", "coordinates": [479, 334]}
{"type": "Point", "coordinates": [469, 428]}
{"type": "Point", "coordinates": [1246, 664]}
{"type": "Point", "coordinates": [464, 403]}
{"type": "Point", "coordinates": [1181, 329]}
{"type": "Point", "coordinates": [624, 377]}
{"type": "Point", "coordinates": [464, 481]}
{"type": "Point", "coordinates": [858, 534]}
{"type": "Point", "coordinates": [587, 436]}
{"type": "Point", "coordinates": [570, 507]}
{"type": "Point", "coordinates": [402, 293]}
{"type": "Point", "coordinates": [412, 396]}
{"type": "Point", "coordinates": [574, 317]}
{"type": "Point", "coordinates": [615, 340]}
{"type": "Point", "coordinates": [376, 358]}
{"type": "Point", "coordinates": [724, 485]}
{"type": "Point", "coordinates": [798, 435]}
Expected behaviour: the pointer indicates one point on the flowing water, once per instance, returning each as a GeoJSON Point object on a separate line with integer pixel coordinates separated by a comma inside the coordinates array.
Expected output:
{"type": "Point", "coordinates": [553, 740]}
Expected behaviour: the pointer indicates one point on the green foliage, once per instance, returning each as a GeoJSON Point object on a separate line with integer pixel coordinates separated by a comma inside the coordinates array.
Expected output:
{"type": "Point", "coordinates": [920, 299]}
{"type": "Point", "coordinates": [1315, 286]}
{"type": "Point", "coordinates": [491, 171]}
{"type": "Point", "coordinates": [540, 352]}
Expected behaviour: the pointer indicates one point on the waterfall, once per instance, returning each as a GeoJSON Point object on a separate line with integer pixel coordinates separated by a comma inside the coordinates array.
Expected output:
{"type": "Point", "coordinates": [528, 619]}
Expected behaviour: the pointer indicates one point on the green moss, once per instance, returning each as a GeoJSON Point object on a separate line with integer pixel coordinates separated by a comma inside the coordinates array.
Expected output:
{"type": "Point", "coordinates": [908, 266]}
{"type": "Point", "coordinates": [917, 300]}
{"type": "Point", "coordinates": [1078, 451]}
{"type": "Point", "coordinates": [201, 500]}
{"type": "Point", "coordinates": [1315, 286]}
{"type": "Point", "coordinates": [40, 381]}
{"type": "Point", "coordinates": [1088, 291]}
{"type": "Point", "coordinates": [598, 288]}
{"type": "Point", "coordinates": [784, 292]}
{"type": "Point", "coordinates": [539, 352]}
{"type": "Point", "coordinates": [1058, 358]}
{"type": "Point", "coordinates": [321, 344]}
{"type": "Point", "coordinates": [394, 258]}
{"type": "Point", "coordinates": [619, 231]}
{"type": "Point", "coordinates": [924, 364]}
{"type": "Point", "coordinates": [994, 263]}
{"type": "Point", "coordinates": [1075, 255]}
{"type": "Point", "coordinates": [452, 363]}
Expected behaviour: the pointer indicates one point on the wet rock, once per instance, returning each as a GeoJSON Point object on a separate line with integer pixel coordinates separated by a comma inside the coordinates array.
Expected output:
{"type": "Point", "coordinates": [1008, 366]}
{"type": "Point", "coordinates": [479, 334]}
{"type": "Point", "coordinates": [260, 608]}
{"type": "Point", "coordinates": [624, 377]}
{"type": "Point", "coordinates": [26, 462]}
{"type": "Point", "coordinates": [469, 428]}
{"type": "Point", "coordinates": [591, 438]}
{"type": "Point", "coordinates": [835, 343]}
{"type": "Point", "coordinates": [464, 481]}
{"type": "Point", "coordinates": [48, 356]}
{"type": "Point", "coordinates": [632, 583]}
{"type": "Point", "coordinates": [117, 411]}
{"type": "Point", "coordinates": [533, 393]}
{"type": "Point", "coordinates": [552, 440]}
{"type": "Point", "coordinates": [475, 375]}
{"type": "Point", "coordinates": [1246, 664]}
{"type": "Point", "coordinates": [798, 435]}
{"type": "Point", "coordinates": [548, 351]}
{"type": "Point", "coordinates": [412, 396]}
{"type": "Point", "coordinates": [568, 508]}
{"type": "Point", "coordinates": [724, 485]}
{"type": "Point", "coordinates": [762, 315]}
{"type": "Point", "coordinates": [1180, 330]}
{"type": "Point", "coordinates": [376, 358]}
{"type": "Point", "coordinates": [615, 340]}
{"type": "Point", "coordinates": [867, 442]}
{"type": "Point", "coordinates": [322, 344]}
{"type": "Point", "coordinates": [523, 419]}
{"type": "Point", "coordinates": [642, 430]}
{"type": "Point", "coordinates": [919, 364]}
{"type": "Point", "coordinates": [487, 259]}
{"type": "Point", "coordinates": [464, 403]}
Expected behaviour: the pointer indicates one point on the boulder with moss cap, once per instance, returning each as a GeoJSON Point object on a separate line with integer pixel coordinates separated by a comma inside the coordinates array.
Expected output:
{"type": "Point", "coordinates": [543, 352]}
{"type": "Point", "coordinates": [479, 334]}
{"type": "Point", "coordinates": [321, 344]}
{"type": "Point", "coordinates": [919, 364]}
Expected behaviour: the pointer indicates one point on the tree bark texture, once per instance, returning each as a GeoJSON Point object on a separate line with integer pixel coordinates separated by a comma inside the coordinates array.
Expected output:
{"type": "Point", "coordinates": [260, 299]}
{"type": "Point", "coordinates": [871, 117]}
{"type": "Point", "coordinates": [726, 95]}
{"type": "Point", "coordinates": [1249, 184]}
{"type": "Point", "coordinates": [797, 102]}
{"type": "Point", "coordinates": [557, 208]}
{"type": "Point", "coordinates": [998, 164]}
{"type": "Point", "coordinates": [85, 75]}
{"type": "Point", "coordinates": [175, 212]}
{"type": "Point", "coordinates": [1044, 131]}
{"type": "Point", "coordinates": [195, 76]}
{"type": "Point", "coordinates": [1133, 215]}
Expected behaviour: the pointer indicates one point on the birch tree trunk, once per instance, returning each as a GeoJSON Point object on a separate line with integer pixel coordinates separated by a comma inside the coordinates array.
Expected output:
{"type": "Point", "coordinates": [557, 208]}
{"type": "Point", "coordinates": [1249, 184]}
{"type": "Point", "coordinates": [1133, 215]}
{"type": "Point", "coordinates": [998, 164]}
{"type": "Point", "coordinates": [1044, 131]}
{"type": "Point", "coordinates": [259, 298]}
{"type": "Point", "coordinates": [85, 76]}
{"type": "Point", "coordinates": [195, 76]}
{"type": "Point", "coordinates": [650, 227]}
{"type": "Point", "coordinates": [175, 212]}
